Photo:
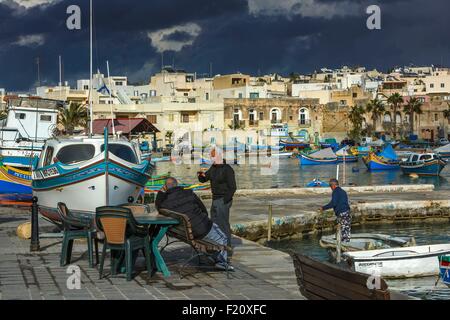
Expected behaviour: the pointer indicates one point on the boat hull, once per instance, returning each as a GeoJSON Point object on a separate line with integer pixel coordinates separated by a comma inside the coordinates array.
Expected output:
{"type": "Point", "coordinates": [373, 163]}
{"type": "Point", "coordinates": [408, 262]}
{"type": "Point", "coordinates": [432, 168]}
{"type": "Point", "coordinates": [308, 161]}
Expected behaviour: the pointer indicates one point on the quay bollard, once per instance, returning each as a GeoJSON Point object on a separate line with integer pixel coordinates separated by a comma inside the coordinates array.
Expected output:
{"type": "Point", "coordinates": [34, 246]}
{"type": "Point", "coordinates": [269, 224]}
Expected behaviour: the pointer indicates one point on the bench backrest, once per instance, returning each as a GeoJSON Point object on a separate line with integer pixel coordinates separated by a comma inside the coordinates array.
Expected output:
{"type": "Point", "coordinates": [325, 281]}
{"type": "Point", "coordinates": [184, 229]}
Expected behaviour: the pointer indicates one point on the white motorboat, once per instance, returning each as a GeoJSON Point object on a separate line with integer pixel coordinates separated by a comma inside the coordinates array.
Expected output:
{"type": "Point", "coordinates": [408, 262]}
{"type": "Point", "coordinates": [367, 241]}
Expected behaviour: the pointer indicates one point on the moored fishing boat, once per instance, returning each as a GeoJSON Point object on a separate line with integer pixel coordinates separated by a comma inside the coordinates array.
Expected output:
{"type": "Point", "coordinates": [384, 160]}
{"type": "Point", "coordinates": [367, 241]}
{"type": "Point", "coordinates": [444, 267]}
{"type": "Point", "coordinates": [15, 184]}
{"type": "Point", "coordinates": [321, 157]}
{"type": "Point", "coordinates": [344, 155]}
{"type": "Point", "coordinates": [444, 151]}
{"type": "Point", "coordinates": [408, 262]}
{"type": "Point", "coordinates": [428, 164]}
{"type": "Point", "coordinates": [292, 143]}
{"type": "Point", "coordinates": [88, 172]}
{"type": "Point", "coordinates": [317, 183]}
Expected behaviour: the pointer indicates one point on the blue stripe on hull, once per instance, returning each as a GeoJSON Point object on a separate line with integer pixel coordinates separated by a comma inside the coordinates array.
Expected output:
{"type": "Point", "coordinates": [14, 188]}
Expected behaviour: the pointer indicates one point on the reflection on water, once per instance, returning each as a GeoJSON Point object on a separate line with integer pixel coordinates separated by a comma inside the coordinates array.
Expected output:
{"type": "Point", "coordinates": [290, 174]}
{"type": "Point", "coordinates": [423, 288]}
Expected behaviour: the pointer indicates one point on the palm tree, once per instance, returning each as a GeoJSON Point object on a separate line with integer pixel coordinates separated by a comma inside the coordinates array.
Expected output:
{"type": "Point", "coordinates": [413, 106]}
{"type": "Point", "coordinates": [356, 117]}
{"type": "Point", "coordinates": [377, 109]}
{"type": "Point", "coordinates": [74, 116]}
{"type": "Point", "coordinates": [395, 101]}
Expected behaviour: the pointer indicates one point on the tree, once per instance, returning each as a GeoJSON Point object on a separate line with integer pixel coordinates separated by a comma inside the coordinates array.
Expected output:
{"type": "Point", "coordinates": [74, 116]}
{"type": "Point", "coordinates": [356, 117]}
{"type": "Point", "coordinates": [377, 109]}
{"type": "Point", "coordinates": [414, 106]}
{"type": "Point", "coordinates": [395, 101]}
{"type": "Point", "coordinates": [447, 112]}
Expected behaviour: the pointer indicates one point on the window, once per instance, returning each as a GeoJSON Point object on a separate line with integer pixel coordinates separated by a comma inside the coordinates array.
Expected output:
{"type": "Point", "coordinates": [48, 157]}
{"type": "Point", "coordinates": [240, 95]}
{"type": "Point", "coordinates": [426, 157]}
{"type": "Point", "coordinates": [415, 158]}
{"type": "Point", "coordinates": [431, 85]}
{"type": "Point", "coordinates": [86, 87]}
{"type": "Point", "coordinates": [254, 95]}
{"type": "Point", "coordinates": [122, 151]}
{"type": "Point", "coordinates": [343, 102]}
{"type": "Point", "coordinates": [186, 94]}
{"type": "Point", "coordinates": [207, 96]}
{"type": "Point", "coordinates": [21, 116]}
{"type": "Point", "coordinates": [442, 85]}
{"type": "Point", "coordinates": [436, 117]}
{"type": "Point", "coordinates": [303, 116]}
{"type": "Point", "coordinates": [185, 117]}
{"type": "Point", "coordinates": [152, 118]}
{"type": "Point", "coordinates": [75, 153]}
{"type": "Point", "coordinates": [355, 95]}
{"type": "Point", "coordinates": [171, 117]}
{"type": "Point", "coordinates": [261, 116]}
{"type": "Point", "coordinates": [119, 83]}
{"type": "Point", "coordinates": [46, 118]}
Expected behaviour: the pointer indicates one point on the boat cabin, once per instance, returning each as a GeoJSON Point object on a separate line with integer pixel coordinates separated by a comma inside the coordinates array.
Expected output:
{"type": "Point", "coordinates": [420, 158]}
{"type": "Point", "coordinates": [80, 149]}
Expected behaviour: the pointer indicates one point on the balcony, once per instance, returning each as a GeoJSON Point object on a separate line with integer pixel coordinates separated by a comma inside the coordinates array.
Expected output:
{"type": "Point", "coordinates": [253, 123]}
{"type": "Point", "coordinates": [276, 121]}
{"type": "Point", "coordinates": [304, 123]}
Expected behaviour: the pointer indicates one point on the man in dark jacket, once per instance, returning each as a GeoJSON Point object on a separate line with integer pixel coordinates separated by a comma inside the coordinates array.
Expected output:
{"type": "Point", "coordinates": [223, 187]}
{"type": "Point", "coordinates": [339, 203]}
{"type": "Point", "coordinates": [177, 199]}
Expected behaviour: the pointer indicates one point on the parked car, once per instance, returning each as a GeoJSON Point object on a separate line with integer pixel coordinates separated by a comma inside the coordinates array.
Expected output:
{"type": "Point", "coordinates": [443, 141]}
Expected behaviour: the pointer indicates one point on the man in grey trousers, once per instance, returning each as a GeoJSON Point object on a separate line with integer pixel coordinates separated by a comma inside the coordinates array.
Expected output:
{"type": "Point", "coordinates": [223, 186]}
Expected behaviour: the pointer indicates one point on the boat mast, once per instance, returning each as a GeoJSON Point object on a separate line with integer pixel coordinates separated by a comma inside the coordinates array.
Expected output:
{"type": "Point", "coordinates": [90, 75]}
{"type": "Point", "coordinates": [110, 96]}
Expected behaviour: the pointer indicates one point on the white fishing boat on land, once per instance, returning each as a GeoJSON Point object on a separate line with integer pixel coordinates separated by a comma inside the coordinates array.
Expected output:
{"type": "Point", "coordinates": [88, 172]}
{"type": "Point", "coordinates": [408, 262]}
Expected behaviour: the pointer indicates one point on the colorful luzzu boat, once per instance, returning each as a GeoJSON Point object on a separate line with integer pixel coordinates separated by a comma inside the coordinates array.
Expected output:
{"type": "Point", "coordinates": [427, 164]}
{"type": "Point", "coordinates": [194, 187]}
{"type": "Point", "coordinates": [385, 160]}
{"type": "Point", "coordinates": [88, 172]}
{"type": "Point", "coordinates": [321, 157]}
{"type": "Point", "coordinates": [444, 268]}
{"type": "Point", "coordinates": [15, 184]}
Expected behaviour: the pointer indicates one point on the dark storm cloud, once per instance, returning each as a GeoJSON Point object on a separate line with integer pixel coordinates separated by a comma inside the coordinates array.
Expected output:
{"type": "Point", "coordinates": [234, 36]}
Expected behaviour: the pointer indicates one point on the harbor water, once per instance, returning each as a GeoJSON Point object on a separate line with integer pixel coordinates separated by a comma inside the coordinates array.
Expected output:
{"type": "Point", "coordinates": [287, 174]}
{"type": "Point", "coordinates": [425, 234]}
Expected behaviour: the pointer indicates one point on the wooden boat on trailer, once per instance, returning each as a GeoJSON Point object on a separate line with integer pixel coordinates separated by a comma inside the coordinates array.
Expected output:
{"type": "Point", "coordinates": [325, 281]}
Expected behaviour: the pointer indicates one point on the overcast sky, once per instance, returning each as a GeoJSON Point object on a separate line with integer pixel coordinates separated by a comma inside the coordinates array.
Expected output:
{"type": "Point", "coordinates": [251, 36]}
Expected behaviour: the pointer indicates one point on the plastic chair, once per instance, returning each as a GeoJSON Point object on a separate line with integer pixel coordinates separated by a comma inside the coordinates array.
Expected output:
{"type": "Point", "coordinates": [74, 228]}
{"type": "Point", "coordinates": [122, 234]}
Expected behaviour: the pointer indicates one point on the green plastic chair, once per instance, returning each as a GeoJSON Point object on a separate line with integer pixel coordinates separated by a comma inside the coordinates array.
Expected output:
{"type": "Point", "coordinates": [74, 228]}
{"type": "Point", "coordinates": [123, 234]}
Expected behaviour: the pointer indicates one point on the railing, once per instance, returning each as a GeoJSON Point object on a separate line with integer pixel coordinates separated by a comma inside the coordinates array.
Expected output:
{"type": "Point", "coordinates": [304, 123]}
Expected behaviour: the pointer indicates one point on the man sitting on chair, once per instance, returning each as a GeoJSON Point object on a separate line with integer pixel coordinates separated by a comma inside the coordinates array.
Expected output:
{"type": "Point", "coordinates": [177, 199]}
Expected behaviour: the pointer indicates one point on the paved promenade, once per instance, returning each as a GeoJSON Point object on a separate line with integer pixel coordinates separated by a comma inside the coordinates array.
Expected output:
{"type": "Point", "coordinates": [261, 273]}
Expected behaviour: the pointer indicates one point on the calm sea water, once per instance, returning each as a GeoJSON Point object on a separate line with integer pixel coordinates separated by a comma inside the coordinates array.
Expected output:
{"type": "Point", "coordinates": [425, 234]}
{"type": "Point", "coordinates": [288, 174]}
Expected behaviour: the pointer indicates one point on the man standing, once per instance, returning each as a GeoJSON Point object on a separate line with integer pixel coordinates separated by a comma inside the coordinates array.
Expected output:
{"type": "Point", "coordinates": [339, 202]}
{"type": "Point", "coordinates": [223, 186]}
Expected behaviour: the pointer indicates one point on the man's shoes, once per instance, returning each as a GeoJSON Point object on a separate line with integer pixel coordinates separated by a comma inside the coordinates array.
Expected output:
{"type": "Point", "coordinates": [223, 266]}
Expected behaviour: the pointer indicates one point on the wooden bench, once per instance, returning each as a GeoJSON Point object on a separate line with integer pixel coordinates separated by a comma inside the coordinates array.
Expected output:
{"type": "Point", "coordinates": [326, 281]}
{"type": "Point", "coordinates": [183, 233]}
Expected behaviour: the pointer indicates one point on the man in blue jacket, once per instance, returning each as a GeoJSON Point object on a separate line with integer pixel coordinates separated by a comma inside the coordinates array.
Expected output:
{"type": "Point", "coordinates": [339, 203]}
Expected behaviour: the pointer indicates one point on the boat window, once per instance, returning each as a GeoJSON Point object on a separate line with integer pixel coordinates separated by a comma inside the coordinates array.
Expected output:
{"type": "Point", "coordinates": [46, 118]}
{"type": "Point", "coordinates": [122, 151]}
{"type": "Point", "coordinates": [76, 153]}
{"type": "Point", "coordinates": [415, 158]}
{"type": "Point", "coordinates": [426, 157]}
{"type": "Point", "coordinates": [48, 156]}
{"type": "Point", "coordinates": [21, 116]}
